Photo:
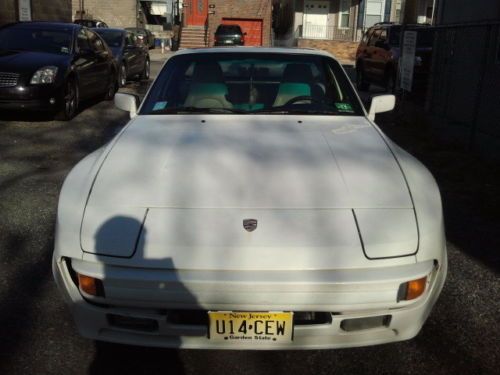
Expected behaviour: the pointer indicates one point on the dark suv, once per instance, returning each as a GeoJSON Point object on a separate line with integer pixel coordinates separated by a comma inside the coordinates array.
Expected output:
{"type": "Point", "coordinates": [229, 35]}
{"type": "Point", "coordinates": [378, 55]}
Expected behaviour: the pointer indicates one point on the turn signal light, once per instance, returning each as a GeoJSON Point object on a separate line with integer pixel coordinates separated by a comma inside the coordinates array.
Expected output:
{"type": "Point", "coordinates": [91, 285]}
{"type": "Point", "coordinates": [412, 289]}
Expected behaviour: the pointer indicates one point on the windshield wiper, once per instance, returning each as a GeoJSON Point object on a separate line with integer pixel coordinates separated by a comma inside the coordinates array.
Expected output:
{"type": "Point", "coordinates": [297, 111]}
{"type": "Point", "coordinates": [175, 110]}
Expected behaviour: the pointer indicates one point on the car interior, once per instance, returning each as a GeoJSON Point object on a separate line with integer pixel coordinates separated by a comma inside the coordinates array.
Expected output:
{"type": "Point", "coordinates": [252, 84]}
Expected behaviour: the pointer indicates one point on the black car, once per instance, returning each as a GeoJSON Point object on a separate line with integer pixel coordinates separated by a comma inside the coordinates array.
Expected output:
{"type": "Point", "coordinates": [144, 35]}
{"type": "Point", "coordinates": [378, 53]}
{"type": "Point", "coordinates": [229, 35]}
{"type": "Point", "coordinates": [131, 57]}
{"type": "Point", "coordinates": [52, 67]}
{"type": "Point", "coordinates": [91, 23]}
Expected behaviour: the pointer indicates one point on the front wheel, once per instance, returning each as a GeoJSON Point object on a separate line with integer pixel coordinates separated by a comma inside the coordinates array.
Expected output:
{"type": "Point", "coordinates": [70, 101]}
{"type": "Point", "coordinates": [111, 88]}
{"type": "Point", "coordinates": [147, 70]}
{"type": "Point", "coordinates": [122, 76]}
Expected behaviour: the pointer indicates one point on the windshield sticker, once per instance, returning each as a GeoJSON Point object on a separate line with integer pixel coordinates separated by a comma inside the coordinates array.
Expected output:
{"type": "Point", "coordinates": [64, 49]}
{"type": "Point", "coordinates": [344, 107]}
{"type": "Point", "coordinates": [159, 106]}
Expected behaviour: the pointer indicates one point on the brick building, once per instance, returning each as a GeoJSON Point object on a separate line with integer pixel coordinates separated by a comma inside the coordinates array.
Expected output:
{"type": "Point", "coordinates": [201, 18]}
{"type": "Point", "coordinates": [41, 10]}
{"type": "Point", "coordinates": [115, 13]}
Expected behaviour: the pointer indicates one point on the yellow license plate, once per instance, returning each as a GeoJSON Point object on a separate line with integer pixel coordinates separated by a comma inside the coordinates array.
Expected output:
{"type": "Point", "coordinates": [264, 327]}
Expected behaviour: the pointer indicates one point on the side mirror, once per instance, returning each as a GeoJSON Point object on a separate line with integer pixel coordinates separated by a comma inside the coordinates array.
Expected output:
{"type": "Point", "coordinates": [381, 103]}
{"type": "Point", "coordinates": [127, 102]}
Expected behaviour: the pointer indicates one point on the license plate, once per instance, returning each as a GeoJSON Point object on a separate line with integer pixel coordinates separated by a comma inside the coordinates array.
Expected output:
{"type": "Point", "coordinates": [264, 327]}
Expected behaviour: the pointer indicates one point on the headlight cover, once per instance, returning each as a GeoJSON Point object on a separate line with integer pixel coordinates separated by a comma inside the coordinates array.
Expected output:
{"type": "Point", "coordinates": [44, 75]}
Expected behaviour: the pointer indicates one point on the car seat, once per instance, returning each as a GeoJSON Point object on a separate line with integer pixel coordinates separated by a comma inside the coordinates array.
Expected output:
{"type": "Point", "coordinates": [297, 81]}
{"type": "Point", "coordinates": [207, 89]}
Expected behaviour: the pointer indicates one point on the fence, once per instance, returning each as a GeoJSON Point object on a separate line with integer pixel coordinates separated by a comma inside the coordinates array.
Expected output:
{"type": "Point", "coordinates": [326, 32]}
{"type": "Point", "coordinates": [464, 87]}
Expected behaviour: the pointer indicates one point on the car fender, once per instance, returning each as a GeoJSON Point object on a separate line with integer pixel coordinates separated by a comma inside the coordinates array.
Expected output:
{"type": "Point", "coordinates": [428, 206]}
{"type": "Point", "coordinates": [72, 201]}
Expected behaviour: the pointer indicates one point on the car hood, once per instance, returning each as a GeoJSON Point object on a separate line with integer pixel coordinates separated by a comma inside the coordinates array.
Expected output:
{"type": "Point", "coordinates": [188, 182]}
{"type": "Point", "coordinates": [28, 62]}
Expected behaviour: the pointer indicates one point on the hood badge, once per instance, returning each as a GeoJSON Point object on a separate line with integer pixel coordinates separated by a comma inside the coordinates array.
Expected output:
{"type": "Point", "coordinates": [250, 224]}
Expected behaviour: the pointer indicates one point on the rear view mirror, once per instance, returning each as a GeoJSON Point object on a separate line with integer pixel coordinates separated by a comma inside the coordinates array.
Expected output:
{"type": "Point", "coordinates": [127, 102]}
{"type": "Point", "coordinates": [381, 103]}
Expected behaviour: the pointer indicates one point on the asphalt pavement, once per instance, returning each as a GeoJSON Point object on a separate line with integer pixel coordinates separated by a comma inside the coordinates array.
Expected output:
{"type": "Point", "coordinates": [37, 335]}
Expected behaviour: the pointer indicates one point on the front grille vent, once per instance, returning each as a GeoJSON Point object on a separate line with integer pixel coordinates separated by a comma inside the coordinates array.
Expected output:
{"type": "Point", "coordinates": [8, 79]}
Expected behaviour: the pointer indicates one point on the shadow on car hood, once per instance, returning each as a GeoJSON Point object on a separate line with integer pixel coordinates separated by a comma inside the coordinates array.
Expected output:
{"type": "Point", "coordinates": [189, 184]}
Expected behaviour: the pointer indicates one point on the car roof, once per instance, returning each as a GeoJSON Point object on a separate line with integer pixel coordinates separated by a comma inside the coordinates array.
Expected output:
{"type": "Point", "coordinates": [42, 24]}
{"type": "Point", "coordinates": [283, 50]}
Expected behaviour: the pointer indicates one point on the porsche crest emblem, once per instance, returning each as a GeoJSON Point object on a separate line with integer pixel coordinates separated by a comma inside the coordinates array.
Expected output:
{"type": "Point", "coordinates": [250, 224]}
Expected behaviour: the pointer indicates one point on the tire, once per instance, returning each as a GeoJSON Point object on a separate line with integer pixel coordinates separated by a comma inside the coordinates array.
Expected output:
{"type": "Point", "coordinates": [146, 71]}
{"type": "Point", "coordinates": [122, 75]}
{"type": "Point", "coordinates": [361, 82]}
{"type": "Point", "coordinates": [70, 102]}
{"type": "Point", "coordinates": [112, 87]}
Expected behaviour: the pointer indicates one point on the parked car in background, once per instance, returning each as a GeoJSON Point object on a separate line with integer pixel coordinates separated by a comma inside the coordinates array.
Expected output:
{"type": "Point", "coordinates": [48, 66]}
{"type": "Point", "coordinates": [91, 23]}
{"type": "Point", "coordinates": [378, 53]}
{"type": "Point", "coordinates": [144, 35]}
{"type": "Point", "coordinates": [251, 203]}
{"type": "Point", "coordinates": [229, 35]}
{"type": "Point", "coordinates": [131, 57]}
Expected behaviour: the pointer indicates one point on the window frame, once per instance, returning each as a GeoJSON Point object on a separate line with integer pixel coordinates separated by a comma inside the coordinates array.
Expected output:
{"type": "Point", "coordinates": [343, 12]}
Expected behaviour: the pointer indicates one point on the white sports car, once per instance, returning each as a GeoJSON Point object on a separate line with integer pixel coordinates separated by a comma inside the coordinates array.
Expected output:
{"type": "Point", "coordinates": [250, 203]}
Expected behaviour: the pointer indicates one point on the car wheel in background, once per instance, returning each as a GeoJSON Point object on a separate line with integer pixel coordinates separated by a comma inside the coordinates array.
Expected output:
{"type": "Point", "coordinates": [122, 77]}
{"type": "Point", "coordinates": [146, 71]}
{"type": "Point", "coordinates": [112, 87]}
{"type": "Point", "coordinates": [69, 106]}
{"type": "Point", "coordinates": [361, 82]}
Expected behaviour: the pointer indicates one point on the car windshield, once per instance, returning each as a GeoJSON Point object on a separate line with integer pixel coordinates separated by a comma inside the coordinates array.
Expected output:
{"type": "Point", "coordinates": [36, 40]}
{"type": "Point", "coordinates": [112, 38]}
{"type": "Point", "coordinates": [247, 83]}
{"type": "Point", "coordinates": [228, 29]}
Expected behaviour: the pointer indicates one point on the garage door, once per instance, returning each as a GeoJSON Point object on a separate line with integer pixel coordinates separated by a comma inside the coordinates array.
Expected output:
{"type": "Point", "coordinates": [253, 28]}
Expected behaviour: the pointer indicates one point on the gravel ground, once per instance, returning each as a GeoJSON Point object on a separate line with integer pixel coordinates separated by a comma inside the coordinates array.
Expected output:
{"type": "Point", "coordinates": [37, 332]}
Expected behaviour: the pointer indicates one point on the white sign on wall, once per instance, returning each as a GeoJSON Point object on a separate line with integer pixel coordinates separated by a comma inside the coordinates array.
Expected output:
{"type": "Point", "coordinates": [408, 59]}
{"type": "Point", "coordinates": [24, 10]}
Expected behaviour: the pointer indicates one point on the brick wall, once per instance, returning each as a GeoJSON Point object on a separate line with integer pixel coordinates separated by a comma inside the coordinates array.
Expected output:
{"type": "Point", "coordinates": [345, 52]}
{"type": "Point", "coordinates": [41, 10]}
{"type": "Point", "coordinates": [115, 13]}
{"type": "Point", "coordinates": [247, 9]}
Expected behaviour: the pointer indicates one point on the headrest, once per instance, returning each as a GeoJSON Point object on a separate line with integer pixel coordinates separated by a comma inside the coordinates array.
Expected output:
{"type": "Point", "coordinates": [207, 72]}
{"type": "Point", "coordinates": [297, 73]}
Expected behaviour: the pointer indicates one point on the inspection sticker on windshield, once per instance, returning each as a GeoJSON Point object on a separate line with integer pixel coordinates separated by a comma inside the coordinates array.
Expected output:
{"type": "Point", "coordinates": [159, 106]}
{"type": "Point", "coordinates": [344, 107]}
{"type": "Point", "coordinates": [240, 327]}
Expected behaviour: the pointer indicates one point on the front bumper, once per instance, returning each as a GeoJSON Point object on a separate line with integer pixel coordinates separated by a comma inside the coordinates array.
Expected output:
{"type": "Point", "coordinates": [341, 296]}
{"type": "Point", "coordinates": [29, 97]}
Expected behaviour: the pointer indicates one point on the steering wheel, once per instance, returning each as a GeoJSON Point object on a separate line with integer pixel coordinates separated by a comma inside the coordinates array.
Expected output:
{"type": "Point", "coordinates": [300, 98]}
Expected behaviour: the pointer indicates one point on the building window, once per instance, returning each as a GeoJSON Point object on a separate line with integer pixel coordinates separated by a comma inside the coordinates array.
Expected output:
{"type": "Point", "coordinates": [344, 13]}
